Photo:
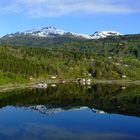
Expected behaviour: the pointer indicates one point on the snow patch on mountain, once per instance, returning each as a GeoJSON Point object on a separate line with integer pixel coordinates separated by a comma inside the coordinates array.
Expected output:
{"type": "Point", "coordinates": [105, 34]}
{"type": "Point", "coordinates": [45, 32]}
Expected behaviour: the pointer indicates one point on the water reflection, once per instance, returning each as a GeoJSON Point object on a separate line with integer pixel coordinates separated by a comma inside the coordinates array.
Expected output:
{"type": "Point", "coordinates": [71, 112]}
{"type": "Point", "coordinates": [34, 131]}
{"type": "Point", "coordinates": [99, 98]}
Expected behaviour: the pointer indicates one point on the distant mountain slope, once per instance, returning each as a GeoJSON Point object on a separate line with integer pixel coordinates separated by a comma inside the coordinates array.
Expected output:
{"type": "Point", "coordinates": [35, 41]}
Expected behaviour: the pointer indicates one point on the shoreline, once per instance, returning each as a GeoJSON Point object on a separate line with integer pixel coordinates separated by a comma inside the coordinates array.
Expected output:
{"type": "Point", "coordinates": [12, 86]}
{"type": "Point", "coordinates": [118, 82]}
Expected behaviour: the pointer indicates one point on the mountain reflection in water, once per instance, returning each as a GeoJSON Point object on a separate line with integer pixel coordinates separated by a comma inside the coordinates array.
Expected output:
{"type": "Point", "coordinates": [99, 98]}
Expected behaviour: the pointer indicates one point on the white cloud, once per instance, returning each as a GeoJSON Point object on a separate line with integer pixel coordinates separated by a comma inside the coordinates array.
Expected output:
{"type": "Point", "coordinates": [50, 8]}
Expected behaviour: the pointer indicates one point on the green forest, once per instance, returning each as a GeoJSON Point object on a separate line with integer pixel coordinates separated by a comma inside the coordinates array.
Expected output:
{"type": "Point", "coordinates": [109, 58]}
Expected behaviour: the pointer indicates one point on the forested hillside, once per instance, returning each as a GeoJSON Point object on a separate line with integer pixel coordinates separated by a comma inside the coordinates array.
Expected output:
{"type": "Point", "coordinates": [25, 57]}
{"type": "Point", "coordinates": [19, 64]}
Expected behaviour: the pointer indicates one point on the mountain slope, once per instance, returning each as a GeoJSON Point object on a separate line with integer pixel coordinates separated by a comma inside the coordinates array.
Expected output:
{"type": "Point", "coordinates": [43, 63]}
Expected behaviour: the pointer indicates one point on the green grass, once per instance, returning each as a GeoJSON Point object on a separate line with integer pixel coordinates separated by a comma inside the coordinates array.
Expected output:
{"type": "Point", "coordinates": [6, 78]}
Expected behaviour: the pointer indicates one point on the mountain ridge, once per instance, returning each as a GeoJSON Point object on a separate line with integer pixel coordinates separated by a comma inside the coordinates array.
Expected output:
{"type": "Point", "coordinates": [55, 32]}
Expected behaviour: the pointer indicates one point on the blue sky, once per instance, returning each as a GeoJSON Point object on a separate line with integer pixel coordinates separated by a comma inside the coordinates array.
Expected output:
{"type": "Point", "coordinates": [82, 16]}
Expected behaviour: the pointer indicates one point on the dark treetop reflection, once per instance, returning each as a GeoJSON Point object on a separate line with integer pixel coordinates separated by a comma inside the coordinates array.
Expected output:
{"type": "Point", "coordinates": [110, 98]}
{"type": "Point", "coordinates": [71, 112]}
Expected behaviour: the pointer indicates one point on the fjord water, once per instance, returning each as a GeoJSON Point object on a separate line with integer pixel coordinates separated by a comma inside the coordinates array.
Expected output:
{"type": "Point", "coordinates": [71, 112]}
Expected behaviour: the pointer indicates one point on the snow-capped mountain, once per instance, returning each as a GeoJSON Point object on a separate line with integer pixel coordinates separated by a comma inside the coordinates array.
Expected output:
{"type": "Point", "coordinates": [105, 34]}
{"type": "Point", "coordinates": [53, 32]}
{"type": "Point", "coordinates": [45, 32]}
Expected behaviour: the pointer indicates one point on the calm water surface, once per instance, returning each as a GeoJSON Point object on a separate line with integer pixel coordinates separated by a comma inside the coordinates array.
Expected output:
{"type": "Point", "coordinates": [71, 112]}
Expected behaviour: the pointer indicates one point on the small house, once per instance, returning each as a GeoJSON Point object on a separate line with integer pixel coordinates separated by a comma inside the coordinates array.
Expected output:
{"type": "Point", "coordinates": [41, 85]}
